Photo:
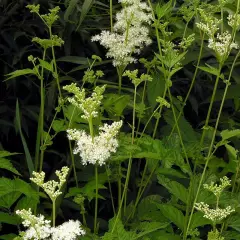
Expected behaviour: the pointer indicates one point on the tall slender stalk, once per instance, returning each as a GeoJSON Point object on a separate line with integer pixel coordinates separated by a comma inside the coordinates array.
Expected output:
{"type": "Point", "coordinates": [210, 153]}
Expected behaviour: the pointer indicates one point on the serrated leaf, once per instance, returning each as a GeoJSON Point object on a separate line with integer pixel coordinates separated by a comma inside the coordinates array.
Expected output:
{"type": "Point", "coordinates": [6, 164]}
{"type": "Point", "coordinates": [9, 219]}
{"type": "Point", "coordinates": [6, 154]}
{"type": "Point", "coordinates": [163, 10]}
{"type": "Point", "coordinates": [21, 72]}
{"type": "Point", "coordinates": [48, 66]}
{"type": "Point", "coordinates": [10, 236]}
{"type": "Point", "coordinates": [173, 214]}
{"type": "Point", "coordinates": [226, 134]}
{"type": "Point", "coordinates": [174, 187]}
{"type": "Point", "coordinates": [210, 69]}
{"type": "Point", "coordinates": [198, 220]}
{"type": "Point", "coordinates": [59, 125]}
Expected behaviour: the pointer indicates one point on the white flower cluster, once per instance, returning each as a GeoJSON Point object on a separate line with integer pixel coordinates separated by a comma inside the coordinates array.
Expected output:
{"type": "Point", "coordinates": [210, 24]}
{"type": "Point", "coordinates": [129, 32]}
{"type": "Point", "coordinates": [52, 188]}
{"type": "Point", "coordinates": [39, 228]}
{"type": "Point", "coordinates": [96, 150]}
{"type": "Point", "coordinates": [214, 215]}
{"type": "Point", "coordinates": [67, 231]}
{"type": "Point", "coordinates": [217, 189]}
{"type": "Point", "coordinates": [89, 105]}
{"type": "Point", "coordinates": [234, 20]}
{"type": "Point", "coordinates": [222, 44]}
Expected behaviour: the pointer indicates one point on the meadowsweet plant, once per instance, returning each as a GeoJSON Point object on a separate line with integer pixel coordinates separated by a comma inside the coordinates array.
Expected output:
{"type": "Point", "coordinates": [39, 228]}
{"type": "Point", "coordinates": [217, 214]}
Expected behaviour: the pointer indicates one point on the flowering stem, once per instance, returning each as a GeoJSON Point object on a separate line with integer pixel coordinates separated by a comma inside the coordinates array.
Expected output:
{"type": "Point", "coordinates": [111, 15]}
{"type": "Point", "coordinates": [211, 104]}
{"type": "Point", "coordinates": [96, 200]}
{"type": "Point", "coordinates": [212, 141]}
{"type": "Point", "coordinates": [53, 212]}
{"type": "Point", "coordinates": [191, 86]}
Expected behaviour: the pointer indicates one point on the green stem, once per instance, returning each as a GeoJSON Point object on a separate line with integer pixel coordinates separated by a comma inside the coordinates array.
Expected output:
{"type": "Point", "coordinates": [53, 212]}
{"type": "Point", "coordinates": [191, 86]}
{"type": "Point", "coordinates": [119, 183]}
{"type": "Point", "coordinates": [178, 129]}
{"type": "Point", "coordinates": [211, 104]}
{"type": "Point", "coordinates": [96, 201]}
{"type": "Point", "coordinates": [129, 163]}
{"type": "Point", "coordinates": [211, 145]}
{"type": "Point", "coordinates": [110, 190]}
{"type": "Point", "coordinates": [42, 116]}
{"type": "Point", "coordinates": [111, 15]}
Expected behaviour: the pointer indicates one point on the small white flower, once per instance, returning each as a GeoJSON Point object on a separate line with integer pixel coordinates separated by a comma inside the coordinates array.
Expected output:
{"type": "Point", "coordinates": [67, 231]}
{"type": "Point", "coordinates": [96, 150]}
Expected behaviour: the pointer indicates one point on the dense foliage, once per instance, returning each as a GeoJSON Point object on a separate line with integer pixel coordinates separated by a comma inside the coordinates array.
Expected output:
{"type": "Point", "coordinates": [119, 120]}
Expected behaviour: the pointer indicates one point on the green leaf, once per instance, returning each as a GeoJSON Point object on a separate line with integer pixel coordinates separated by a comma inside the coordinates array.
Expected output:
{"type": "Point", "coordinates": [26, 150]}
{"type": "Point", "coordinates": [21, 72]}
{"type": "Point", "coordinates": [173, 214]}
{"type": "Point", "coordinates": [115, 104]}
{"type": "Point", "coordinates": [198, 220]}
{"type": "Point", "coordinates": [226, 134]}
{"type": "Point", "coordinates": [11, 190]}
{"type": "Point", "coordinates": [163, 10]}
{"type": "Point", "coordinates": [85, 9]}
{"type": "Point", "coordinates": [10, 236]}
{"type": "Point", "coordinates": [6, 154]}
{"type": "Point", "coordinates": [175, 188]}
{"type": "Point", "coordinates": [6, 164]}
{"type": "Point", "coordinates": [9, 219]}
{"type": "Point", "coordinates": [211, 70]}
{"type": "Point", "coordinates": [48, 66]}
{"type": "Point", "coordinates": [70, 8]}
{"type": "Point", "coordinates": [119, 232]}
{"type": "Point", "coordinates": [59, 125]}
{"type": "Point", "coordinates": [155, 88]}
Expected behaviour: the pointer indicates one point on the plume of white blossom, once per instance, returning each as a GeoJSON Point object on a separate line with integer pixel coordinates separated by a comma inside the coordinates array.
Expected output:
{"type": "Point", "coordinates": [38, 227]}
{"type": "Point", "coordinates": [67, 231]}
{"type": "Point", "coordinates": [130, 32]}
{"type": "Point", "coordinates": [214, 215]}
{"type": "Point", "coordinates": [97, 149]}
{"type": "Point", "coordinates": [222, 45]}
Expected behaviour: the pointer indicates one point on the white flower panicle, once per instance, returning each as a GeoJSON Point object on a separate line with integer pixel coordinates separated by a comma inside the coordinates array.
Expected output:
{"type": "Point", "coordinates": [38, 227]}
{"type": "Point", "coordinates": [52, 188]}
{"type": "Point", "coordinates": [97, 149]}
{"type": "Point", "coordinates": [209, 24]}
{"type": "Point", "coordinates": [89, 105]}
{"type": "Point", "coordinates": [215, 215]}
{"type": "Point", "coordinates": [222, 44]}
{"type": "Point", "coordinates": [67, 231]}
{"type": "Point", "coordinates": [234, 21]}
{"type": "Point", "coordinates": [217, 189]}
{"type": "Point", "coordinates": [130, 33]}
